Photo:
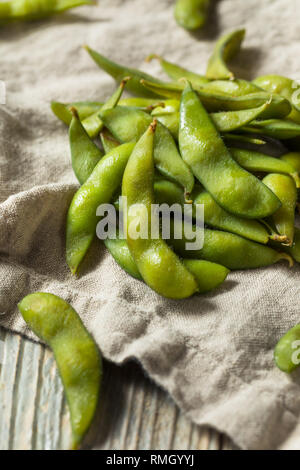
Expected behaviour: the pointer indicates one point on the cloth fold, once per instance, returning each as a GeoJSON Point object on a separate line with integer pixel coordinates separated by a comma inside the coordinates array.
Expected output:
{"type": "Point", "coordinates": [212, 353]}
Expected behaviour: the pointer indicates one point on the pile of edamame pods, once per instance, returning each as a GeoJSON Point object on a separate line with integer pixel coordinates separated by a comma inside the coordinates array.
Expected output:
{"type": "Point", "coordinates": [207, 139]}
{"type": "Point", "coordinates": [229, 144]}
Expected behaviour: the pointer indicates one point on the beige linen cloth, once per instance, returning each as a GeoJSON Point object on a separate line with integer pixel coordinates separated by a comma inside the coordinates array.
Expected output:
{"type": "Point", "coordinates": [212, 353]}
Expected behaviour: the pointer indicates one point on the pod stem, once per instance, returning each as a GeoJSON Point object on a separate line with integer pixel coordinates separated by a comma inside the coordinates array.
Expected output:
{"type": "Point", "coordinates": [74, 112]}
{"type": "Point", "coordinates": [124, 82]}
{"type": "Point", "coordinates": [153, 106]}
{"type": "Point", "coordinates": [283, 239]}
{"type": "Point", "coordinates": [288, 258]}
{"type": "Point", "coordinates": [153, 125]}
{"type": "Point", "coordinates": [274, 235]}
{"type": "Point", "coordinates": [187, 197]}
{"type": "Point", "coordinates": [153, 56]}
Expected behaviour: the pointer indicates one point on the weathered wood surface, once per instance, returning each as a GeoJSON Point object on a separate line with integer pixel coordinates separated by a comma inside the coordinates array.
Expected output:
{"type": "Point", "coordinates": [134, 412]}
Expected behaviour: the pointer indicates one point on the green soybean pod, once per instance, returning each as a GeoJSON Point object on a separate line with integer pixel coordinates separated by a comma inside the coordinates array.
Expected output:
{"type": "Point", "coordinates": [286, 87]}
{"type": "Point", "coordinates": [227, 121]}
{"type": "Point", "coordinates": [85, 154]}
{"type": "Point", "coordinates": [217, 217]}
{"type": "Point", "coordinates": [176, 72]}
{"type": "Point", "coordinates": [202, 148]}
{"type": "Point", "coordinates": [230, 250]}
{"type": "Point", "coordinates": [128, 124]}
{"type": "Point", "coordinates": [118, 72]}
{"type": "Point", "coordinates": [191, 14]}
{"type": "Point", "coordinates": [239, 139]}
{"type": "Point", "coordinates": [208, 275]}
{"type": "Point", "coordinates": [287, 350]}
{"type": "Point", "coordinates": [259, 162]}
{"type": "Point", "coordinates": [276, 128]}
{"type": "Point", "coordinates": [225, 49]}
{"type": "Point", "coordinates": [99, 189]}
{"type": "Point", "coordinates": [23, 10]}
{"type": "Point", "coordinates": [84, 110]}
{"type": "Point", "coordinates": [160, 268]}
{"type": "Point", "coordinates": [236, 87]}
{"type": "Point", "coordinates": [215, 102]}
{"type": "Point", "coordinates": [284, 218]}
{"type": "Point", "coordinates": [78, 359]}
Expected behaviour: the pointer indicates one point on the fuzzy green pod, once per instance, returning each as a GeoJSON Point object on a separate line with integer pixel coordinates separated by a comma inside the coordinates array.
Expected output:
{"type": "Point", "coordinates": [85, 154]}
{"type": "Point", "coordinates": [78, 359]}
{"type": "Point", "coordinates": [203, 149]}
{"type": "Point", "coordinates": [225, 49]}
{"type": "Point", "coordinates": [160, 268]}
{"type": "Point", "coordinates": [119, 72]}
{"type": "Point", "coordinates": [230, 250]}
{"type": "Point", "coordinates": [284, 218]}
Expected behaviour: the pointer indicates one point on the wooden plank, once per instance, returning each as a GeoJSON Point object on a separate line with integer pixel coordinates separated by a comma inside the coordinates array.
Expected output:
{"type": "Point", "coordinates": [134, 413]}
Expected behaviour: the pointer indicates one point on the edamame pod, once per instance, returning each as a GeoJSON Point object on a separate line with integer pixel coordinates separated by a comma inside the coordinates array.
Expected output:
{"type": "Point", "coordinates": [128, 124]}
{"type": "Point", "coordinates": [234, 88]}
{"type": "Point", "coordinates": [137, 102]}
{"type": "Point", "coordinates": [235, 138]}
{"type": "Point", "coordinates": [293, 159]}
{"type": "Point", "coordinates": [214, 102]}
{"type": "Point", "coordinates": [176, 72]}
{"type": "Point", "coordinates": [160, 268]}
{"type": "Point", "coordinates": [85, 154]}
{"type": "Point", "coordinates": [277, 128]}
{"type": "Point", "coordinates": [208, 275]}
{"type": "Point", "coordinates": [256, 162]}
{"type": "Point", "coordinates": [93, 124]}
{"type": "Point", "coordinates": [226, 121]}
{"type": "Point", "coordinates": [87, 108]}
{"type": "Point", "coordinates": [230, 250]}
{"type": "Point", "coordinates": [78, 359]}
{"type": "Point", "coordinates": [118, 72]}
{"type": "Point", "coordinates": [286, 353]}
{"type": "Point", "coordinates": [84, 110]}
{"type": "Point", "coordinates": [284, 218]}
{"type": "Point", "coordinates": [100, 187]}
{"type": "Point", "coordinates": [202, 148]}
{"type": "Point", "coordinates": [191, 14]}
{"type": "Point", "coordinates": [217, 217]}
{"type": "Point", "coordinates": [37, 9]}
{"type": "Point", "coordinates": [225, 49]}
{"type": "Point", "coordinates": [289, 89]}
